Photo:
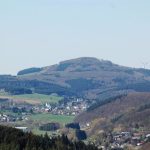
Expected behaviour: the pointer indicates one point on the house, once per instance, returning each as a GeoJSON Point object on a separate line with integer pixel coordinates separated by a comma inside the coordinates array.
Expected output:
{"type": "Point", "coordinates": [24, 129]}
{"type": "Point", "coordinates": [148, 136]}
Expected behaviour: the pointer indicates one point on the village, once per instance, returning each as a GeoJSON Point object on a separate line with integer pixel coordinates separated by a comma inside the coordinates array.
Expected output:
{"type": "Point", "coordinates": [11, 111]}
{"type": "Point", "coordinates": [14, 112]}
{"type": "Point", "coordinates": [122, 140]}
{"type": "Point", "coordinates": [73, 107]}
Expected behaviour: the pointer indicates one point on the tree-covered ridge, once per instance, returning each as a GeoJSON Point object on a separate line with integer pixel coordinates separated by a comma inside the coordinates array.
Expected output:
{"type": "Point", "coordinates": [30, 70]}
{"type": "Point", "coordinates": [83, 77]}
{"type": "Point", "coordinates": [16, 86]}
{"type": "Point", "coordinates": [86, 77]}
{"type": "Point", "coordinates": [13, 139]}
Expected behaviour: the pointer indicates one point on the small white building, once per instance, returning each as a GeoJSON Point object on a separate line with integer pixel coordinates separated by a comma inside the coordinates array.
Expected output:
{"type": "Point", "coordinates": [24, 129]}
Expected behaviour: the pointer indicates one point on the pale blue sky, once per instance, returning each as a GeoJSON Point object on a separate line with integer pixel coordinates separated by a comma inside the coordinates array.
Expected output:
{"type": "Point", "coordinates": [44, 32]}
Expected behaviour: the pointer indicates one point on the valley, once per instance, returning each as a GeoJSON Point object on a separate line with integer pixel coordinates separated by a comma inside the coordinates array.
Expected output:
{"type": "Point", "coordinates": [85, 98]}
{"type": "Point", "coordinates": [33, 110]}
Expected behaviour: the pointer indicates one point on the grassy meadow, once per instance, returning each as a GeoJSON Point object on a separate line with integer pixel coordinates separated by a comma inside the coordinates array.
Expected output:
{"type": "Point", "coordinates": [33, 98]}
{"type": "Point", "coordinates": [62, 119]}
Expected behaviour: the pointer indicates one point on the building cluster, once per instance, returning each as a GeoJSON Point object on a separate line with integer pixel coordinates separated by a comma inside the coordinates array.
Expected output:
{"type": "Point", "coordinates": [133, 138]}
{"type": "Point", "coordinates": [12, 118]}
{"type": "Point", "coordinates": [66, 108]}
{"type": "Point", "coordinates": [6, 118]}
{"type": "Point", "coordinates": [125, 139]}
{"type": "Point", "coordinates": [11, 112]}
{"type": "Point", "coordinates": [14, 112]}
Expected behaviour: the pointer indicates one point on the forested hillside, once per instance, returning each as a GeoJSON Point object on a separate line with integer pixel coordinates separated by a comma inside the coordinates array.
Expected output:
{"type": "Point", "coordinates": [13, 139]}
{"type": "Point", "coordinates": [126, 111]}
{"type": "Point", "coordinates": [86, 77]}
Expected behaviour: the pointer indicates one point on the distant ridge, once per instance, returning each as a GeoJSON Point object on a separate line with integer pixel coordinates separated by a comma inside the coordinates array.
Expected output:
{"type": "Point", "coordinates": [29, 70]}
{"type": "Point", "coordinates": [86, 77]}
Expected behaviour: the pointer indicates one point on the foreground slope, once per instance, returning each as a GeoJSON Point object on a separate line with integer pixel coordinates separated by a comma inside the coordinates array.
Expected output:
{"type": "Point", "coordinates": [122, 113]}
{"type": "Point", "coordinates": [13, 139]}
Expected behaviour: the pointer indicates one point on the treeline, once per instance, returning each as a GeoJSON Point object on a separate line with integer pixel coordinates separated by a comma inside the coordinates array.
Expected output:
{"type": "Point", "coordinates": [15, 86]}
{"type": "Point", "coordinates": [81, 84]}
{"type": "Point", "coordinates": [29, 70]}
{"type": "Point", "coordinates": [73, 125]}
{"type": "Point", "coordinates": [80, 134]}
{"type": "Point", "coordinates": [17, 91]}
{"type": "Point", "coordinates": [143, 86]}
{"type": "Point", "coordinates": [104, 102]}
{"type": "Point", "coordinates": [50, 127]}
{"type": "Point", "coordinates": [13, 139]}
{"type": "Point", "coordinates": [144, 107]}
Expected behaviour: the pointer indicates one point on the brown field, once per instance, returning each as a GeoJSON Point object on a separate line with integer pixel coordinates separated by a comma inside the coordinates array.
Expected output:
{"type": "Point", "coordinates": [24, 100]}
{"type": "Point", "coordinates": [34, 98]}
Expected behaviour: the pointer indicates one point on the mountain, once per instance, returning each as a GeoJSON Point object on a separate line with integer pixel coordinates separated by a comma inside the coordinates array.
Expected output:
{"type": "Point", "coordinates": [118, 96]}
{"type": "Point", "coordinates": [83, 77]}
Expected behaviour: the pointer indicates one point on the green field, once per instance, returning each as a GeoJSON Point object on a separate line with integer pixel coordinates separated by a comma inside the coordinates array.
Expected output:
{"type": "Point", "coordinates": [36, 119]}
{"type": "Point", "coordinates": [53, 98]}
{"type": "Point", "coordinates": [33, 98]}
{"type": "Point", "coordinates": [62, 119]}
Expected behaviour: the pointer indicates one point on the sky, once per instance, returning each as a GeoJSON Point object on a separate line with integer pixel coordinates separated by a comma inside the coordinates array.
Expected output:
{"type": "Point", "coordinates": [37, 33]}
